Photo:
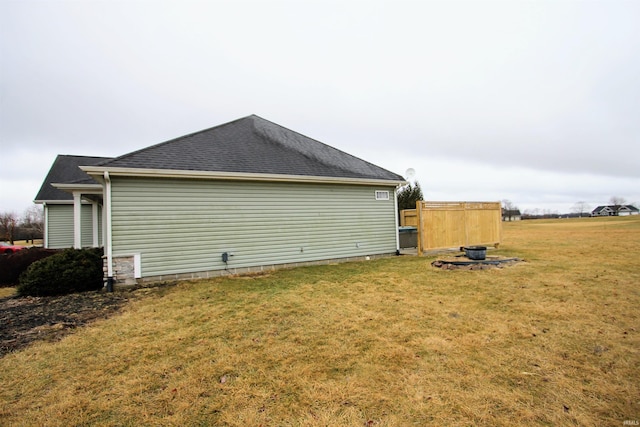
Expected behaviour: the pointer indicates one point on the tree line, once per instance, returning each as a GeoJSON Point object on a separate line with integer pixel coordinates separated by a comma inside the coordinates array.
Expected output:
{"type": "Point", "coordinates": [28, 226]}
{"type": "Point", "coordinates": [579, 209]}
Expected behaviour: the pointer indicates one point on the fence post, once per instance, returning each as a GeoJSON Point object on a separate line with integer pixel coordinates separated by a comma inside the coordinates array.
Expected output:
{"type": "Point", "coordinates": [419, 226]}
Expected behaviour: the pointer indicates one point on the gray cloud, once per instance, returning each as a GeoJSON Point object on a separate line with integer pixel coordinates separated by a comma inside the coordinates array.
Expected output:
{"type": "Point", "coordinates": [541, 98]}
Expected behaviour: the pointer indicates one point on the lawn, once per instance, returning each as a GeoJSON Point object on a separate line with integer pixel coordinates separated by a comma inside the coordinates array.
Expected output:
{"type": "Point", "coordinates": [391, 342]}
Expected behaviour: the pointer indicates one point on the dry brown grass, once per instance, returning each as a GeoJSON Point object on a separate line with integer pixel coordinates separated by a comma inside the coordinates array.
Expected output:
{"type": "Point", "coordinates": [394, 342]}
{"type": "Point", "coordinates": [7, 292]}
{"type": "Point", "coordinates": [35, 242]}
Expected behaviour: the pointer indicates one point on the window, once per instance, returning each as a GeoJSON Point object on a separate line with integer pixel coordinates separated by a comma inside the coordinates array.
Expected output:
{"type": "Point", "coordinates": [382, 195]}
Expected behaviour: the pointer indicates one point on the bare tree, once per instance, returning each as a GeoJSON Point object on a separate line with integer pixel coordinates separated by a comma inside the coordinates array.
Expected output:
{"type": "Point", "coordinates": [32, 223]}
{"type": "Point", "coordinates": [617, 201]}
{"type": "Point", "coordinates": [8, 224]}
{"type": "Point", "coordinates": [508, 209]}
{"type": "Point", "coordinates": [581, 208]}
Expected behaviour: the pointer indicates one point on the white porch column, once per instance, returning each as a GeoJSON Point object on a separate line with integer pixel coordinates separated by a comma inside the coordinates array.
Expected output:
{"type": "Point", "coordinates": [77, 221]}
{"type": "Point", "coordinates": [107, 237]}
{"type": "Point", "coordinates": [45, 237]}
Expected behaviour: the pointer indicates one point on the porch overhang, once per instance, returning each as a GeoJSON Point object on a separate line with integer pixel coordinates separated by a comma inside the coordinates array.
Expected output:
{"type": "Point", "coordinates": [93, 193]}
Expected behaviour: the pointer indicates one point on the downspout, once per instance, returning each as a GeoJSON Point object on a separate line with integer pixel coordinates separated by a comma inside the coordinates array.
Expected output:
{"type": "Point", "coordinates": [107, 243]}
{"type": "Point", "coordinates": [395, 216]}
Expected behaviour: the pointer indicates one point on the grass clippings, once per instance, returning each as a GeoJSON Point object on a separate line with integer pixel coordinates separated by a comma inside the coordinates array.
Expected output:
{"type": "Point", "coordinates": [391, 342]}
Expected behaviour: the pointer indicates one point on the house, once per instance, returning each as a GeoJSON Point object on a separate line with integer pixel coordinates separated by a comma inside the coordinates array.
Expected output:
{"type": "Point", "coordinates": [511, 215]}
{"type": "Point", "coordinates": [615, 210]}
{"type": "Point", "coordinates": [244, 196]}
{"type": "Point", "coordinates": [65, 183]}
{"type": "Point", "coordinates": [603, 211]}
{"type": "Point", "coordinates": [626, 210]}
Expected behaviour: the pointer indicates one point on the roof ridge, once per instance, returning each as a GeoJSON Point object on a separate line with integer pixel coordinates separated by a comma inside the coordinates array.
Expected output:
{"type": "Point", "coordinates": [77, 156]}
{"type": "Point", "coordinates": [251, 144]}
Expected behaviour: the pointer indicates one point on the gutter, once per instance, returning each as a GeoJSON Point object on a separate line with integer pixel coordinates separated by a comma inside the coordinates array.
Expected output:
{"type": "Point", "coordinates": [84, 188]}
{"type": "Point", "coordinates": [395, 216]}
{"type": "Point", "coordinates": [237, 176]}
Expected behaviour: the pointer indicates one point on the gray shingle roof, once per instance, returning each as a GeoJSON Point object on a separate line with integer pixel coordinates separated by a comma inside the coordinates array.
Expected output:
{"type": "Point", "coordinates": [66, 170]}
{"type": "Point", "coordinates": [615, 208]}
{"type": "Point", "coordinates": [251, 145]}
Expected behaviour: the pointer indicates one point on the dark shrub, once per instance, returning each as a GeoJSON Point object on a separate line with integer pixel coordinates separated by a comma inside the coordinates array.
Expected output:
{"type": "Point", "coordinates": [73, 270]}
{"type": "Point", "coordinates": [12, 265]}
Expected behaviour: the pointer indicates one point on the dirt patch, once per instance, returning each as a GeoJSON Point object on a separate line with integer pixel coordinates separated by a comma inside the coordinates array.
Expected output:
{"type": "Point", "coordinates": [29, 319]}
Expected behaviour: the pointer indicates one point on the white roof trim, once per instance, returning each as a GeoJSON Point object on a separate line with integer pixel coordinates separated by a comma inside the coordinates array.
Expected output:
{"type": "Point", "coordinates": [82, 188]}
{"type": "Point", "coordinates": [53, 202]}
{"type": "Point", "coordinates": [58, 202]}
{"type": "Point", "coordinates": [97, 172]}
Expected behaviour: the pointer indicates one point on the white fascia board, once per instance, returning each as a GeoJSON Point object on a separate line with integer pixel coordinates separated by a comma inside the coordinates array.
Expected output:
{"type": "Point", "coordinates": [95, 172]}
{"type": "Point", "coordinates": [53, 202]}
{"type": "Point", "coordinates": [58, 202]}
{"type": "Point", "coordinates": [81, 188]}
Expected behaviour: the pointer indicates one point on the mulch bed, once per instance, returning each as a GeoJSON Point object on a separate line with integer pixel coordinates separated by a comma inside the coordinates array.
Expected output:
{"type": "Point", "coordinates": [29, 319]}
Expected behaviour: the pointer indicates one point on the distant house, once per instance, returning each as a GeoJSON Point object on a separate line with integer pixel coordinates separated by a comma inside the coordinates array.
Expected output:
{"type": "Point", "coordinates": [244, 196]}
{"type": "Point", "coordinates": [615, 210]}
{"type": "Point", "coordinates": [511, 215]}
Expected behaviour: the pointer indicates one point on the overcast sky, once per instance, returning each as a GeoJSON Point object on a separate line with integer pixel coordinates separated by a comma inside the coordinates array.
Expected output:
{"type": "Point", "coordinates": [537, 102]}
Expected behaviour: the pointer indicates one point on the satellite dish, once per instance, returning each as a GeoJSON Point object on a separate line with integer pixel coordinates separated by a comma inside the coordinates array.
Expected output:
{"type": "Point", "coordinates": [410, 173]}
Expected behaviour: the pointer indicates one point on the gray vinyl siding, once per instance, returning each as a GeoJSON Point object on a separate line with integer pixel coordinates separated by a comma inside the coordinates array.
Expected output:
{"type": "Point", "coordinates": [60, 226]}
{"type": "Point", "coordinates": [86, 226]}
{"type": "Point", "coordinates": [184, 226]}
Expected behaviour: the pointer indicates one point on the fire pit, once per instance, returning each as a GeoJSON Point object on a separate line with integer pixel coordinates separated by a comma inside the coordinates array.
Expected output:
{"type": "Point", "coordinates": [463, 263]}
{"type": "Point", "coordinates": [476, 253]}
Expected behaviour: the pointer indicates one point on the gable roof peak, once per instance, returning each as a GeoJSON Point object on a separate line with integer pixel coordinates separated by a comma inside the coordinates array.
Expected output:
{"type": "Point", "coordinates": [66, 170]}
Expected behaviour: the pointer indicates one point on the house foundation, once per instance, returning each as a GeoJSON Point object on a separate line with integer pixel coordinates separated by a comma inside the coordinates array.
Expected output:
{"type": "Point", "coordinates": [124, 270]}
